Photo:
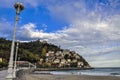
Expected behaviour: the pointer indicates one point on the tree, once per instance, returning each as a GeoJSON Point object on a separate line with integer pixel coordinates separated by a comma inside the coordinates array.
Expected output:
{"type": "Point", "coordinates": [44, 50]}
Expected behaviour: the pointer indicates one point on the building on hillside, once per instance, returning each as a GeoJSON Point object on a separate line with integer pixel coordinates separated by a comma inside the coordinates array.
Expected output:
{"type": "Point", "coordinates": [50, 53]}
{"type": "Point", "coordinates": [1, 59]}
{"type": "Point", "coordinates": [66, 52]}
{"type": "Point", "coordinates": [74, 60]}
{"type": "Point", "coordinates": [77, 56]}
{"type": "Point", "coordinates": [47, 54]}
{"type": "Point", "coordinates": [80, 64]}
{"type": "Point", "coordinates": [58, 53]}
{"type": "Point", "coordinates": [41, 61]}
{"type": "Point", "coordinates": [69, 60]}
{"type": "Point", "coordinates": [63, 61]}
{"type": "Point", "coordinates": [56, 61]}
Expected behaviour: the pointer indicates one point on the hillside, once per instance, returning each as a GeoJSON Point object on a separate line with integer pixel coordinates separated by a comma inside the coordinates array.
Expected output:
{"type": "Point", "coordinates": [43, 53]}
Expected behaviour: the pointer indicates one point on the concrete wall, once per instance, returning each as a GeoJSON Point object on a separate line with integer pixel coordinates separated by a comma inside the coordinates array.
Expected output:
{"type": "Point", "coordinates": [22, 73]}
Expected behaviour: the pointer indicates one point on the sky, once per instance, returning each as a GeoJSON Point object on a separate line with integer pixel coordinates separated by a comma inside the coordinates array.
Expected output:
{"type": "Point", "coordinates": [89, 27]}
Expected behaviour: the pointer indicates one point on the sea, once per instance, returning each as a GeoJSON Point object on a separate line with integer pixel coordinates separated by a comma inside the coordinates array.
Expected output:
{"type": "Point", "coordinates": [93, 72]}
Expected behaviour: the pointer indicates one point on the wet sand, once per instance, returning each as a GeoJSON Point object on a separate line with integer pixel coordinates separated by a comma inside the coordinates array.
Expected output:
{"type": "Point", "coordinates": [67, 77]}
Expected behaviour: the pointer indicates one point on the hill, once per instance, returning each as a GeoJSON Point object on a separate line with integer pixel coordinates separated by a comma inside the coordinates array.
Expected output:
{"type": "Point", "coordinates": [43, 53]}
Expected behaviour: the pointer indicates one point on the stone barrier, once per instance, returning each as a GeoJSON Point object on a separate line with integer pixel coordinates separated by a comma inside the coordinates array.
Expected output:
{"type": "Point", "coordinates": [20, 75]}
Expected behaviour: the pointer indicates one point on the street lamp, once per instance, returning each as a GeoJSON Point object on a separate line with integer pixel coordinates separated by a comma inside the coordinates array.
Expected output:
{"type": "Point", "coordinates": [14, 72]}
{"type": "Point", "coordinates": [19, 7]}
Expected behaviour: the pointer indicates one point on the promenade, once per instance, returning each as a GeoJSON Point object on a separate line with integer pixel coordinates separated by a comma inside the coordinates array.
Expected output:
{"type": "Point", "coordinates": [3, 74]}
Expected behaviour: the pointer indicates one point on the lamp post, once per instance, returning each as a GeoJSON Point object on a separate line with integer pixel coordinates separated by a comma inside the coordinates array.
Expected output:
{"type": "Point", "coordinates": [14, 72]}
{"type": "Point", "coordinates": [19, 7]}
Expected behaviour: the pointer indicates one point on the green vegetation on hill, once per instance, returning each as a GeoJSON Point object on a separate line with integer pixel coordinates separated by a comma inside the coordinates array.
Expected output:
{"type": "Point", "coordinates": [29, 51]}
{"type": "Point", "coordinates": [32, 51]}
{"type": "Point", "coordinates": [37, 47]}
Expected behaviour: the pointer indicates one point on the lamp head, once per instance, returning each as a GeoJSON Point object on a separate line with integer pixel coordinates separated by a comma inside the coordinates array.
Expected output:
{"type": "Point", "coordinates": [19, 7]}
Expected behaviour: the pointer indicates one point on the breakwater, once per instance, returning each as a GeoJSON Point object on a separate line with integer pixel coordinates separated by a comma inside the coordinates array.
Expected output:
{"type": "Point", "coordinates": [3, 69]}
{"type": "Point", "coordinates": [60, 69]}
{"type": "Point", "coordinates": [21, 73]}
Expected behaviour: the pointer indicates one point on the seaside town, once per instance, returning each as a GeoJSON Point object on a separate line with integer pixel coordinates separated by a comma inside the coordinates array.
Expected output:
{"type": "Point", "coordinates": [65, 58]}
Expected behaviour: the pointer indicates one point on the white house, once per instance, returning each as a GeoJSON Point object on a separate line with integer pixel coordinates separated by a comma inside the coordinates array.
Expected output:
{"type": "Point", "coordinates": [56, 61]}
{"type": "Point", "coordinates": [63, 61]}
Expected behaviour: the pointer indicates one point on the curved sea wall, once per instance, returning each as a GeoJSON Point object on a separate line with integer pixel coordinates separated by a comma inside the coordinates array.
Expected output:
{"type": "Point", "coordinates": [21, 74]}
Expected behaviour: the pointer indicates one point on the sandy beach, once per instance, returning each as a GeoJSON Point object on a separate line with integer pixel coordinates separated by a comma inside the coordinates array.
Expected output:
{"type": "Point", "coordinates": [67, 77]}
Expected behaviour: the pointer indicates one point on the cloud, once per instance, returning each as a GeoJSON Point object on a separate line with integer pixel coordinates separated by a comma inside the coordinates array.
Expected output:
{"type": "Point", "coordinates": [44, 26]}
{"type": "Point", "coordinates": [30, 30]}
{"type": "Point", "coordinates": [106, 63]}
{"type": "Point", "coordinates": [5, 28]}
{"type": "Point", "coordinates": [108, 57]}
{"type": "Point", "coordinates": [7, 3]}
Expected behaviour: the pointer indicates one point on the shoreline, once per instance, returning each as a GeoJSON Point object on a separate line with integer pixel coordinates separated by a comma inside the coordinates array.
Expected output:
{"type": "Point", "coordinates": [61, 69]}
{"type": "Point", "coordinates": [67, 77]}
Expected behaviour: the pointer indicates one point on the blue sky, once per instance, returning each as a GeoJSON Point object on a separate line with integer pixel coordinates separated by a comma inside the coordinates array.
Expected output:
{"type": "Point", "coordinates": [89, 27]}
